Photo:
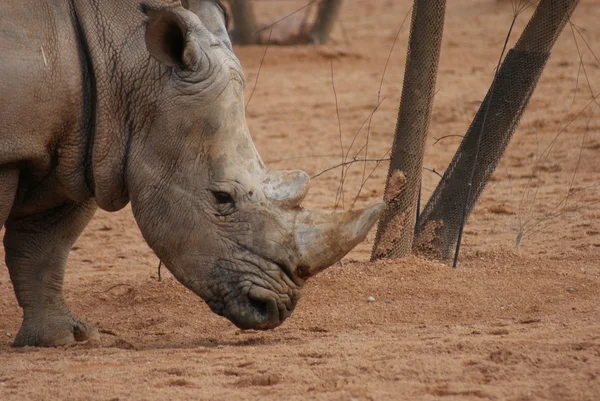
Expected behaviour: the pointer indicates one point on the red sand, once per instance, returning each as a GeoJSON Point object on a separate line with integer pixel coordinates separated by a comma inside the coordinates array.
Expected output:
{"type": "Point", "coordinates": [507, 324]}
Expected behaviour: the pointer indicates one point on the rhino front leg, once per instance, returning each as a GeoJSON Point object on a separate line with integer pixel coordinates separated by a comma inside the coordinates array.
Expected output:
{"type": "Point", "coordinates": [37, 247]}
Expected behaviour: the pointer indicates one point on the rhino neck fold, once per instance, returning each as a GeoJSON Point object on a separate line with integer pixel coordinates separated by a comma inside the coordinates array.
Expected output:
{"type": "Point", "coordinates": [114, 61]}
{"type": "Point", "coordinates": [88, 96]}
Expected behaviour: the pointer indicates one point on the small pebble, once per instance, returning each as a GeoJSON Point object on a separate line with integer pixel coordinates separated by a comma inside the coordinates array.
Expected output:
{"type": "Point", "coordinates": [571, 289]}
{"type": "Point", "coordinates": [7, 334]}
{"type": "Point", "coordinates": [387, 301]}
{"type": "Point", "coordinates": [371, 299]}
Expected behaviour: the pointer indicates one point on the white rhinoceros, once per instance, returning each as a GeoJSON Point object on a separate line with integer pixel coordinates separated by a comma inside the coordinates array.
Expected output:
{"type": "Point", "coordinates": [105, 102]}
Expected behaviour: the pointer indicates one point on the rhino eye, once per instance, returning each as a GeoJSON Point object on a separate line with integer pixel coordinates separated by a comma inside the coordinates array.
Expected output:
{"type": "Point", "coordinates": [223, 198]}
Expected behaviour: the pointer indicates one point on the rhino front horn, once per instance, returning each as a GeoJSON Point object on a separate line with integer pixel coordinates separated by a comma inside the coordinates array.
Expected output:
{"type": "Point", "coordinates": [325, 238]}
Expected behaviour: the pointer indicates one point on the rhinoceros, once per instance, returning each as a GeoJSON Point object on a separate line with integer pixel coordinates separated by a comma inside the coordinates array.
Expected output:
{"type": "Point", "coordinates": [106, 102]}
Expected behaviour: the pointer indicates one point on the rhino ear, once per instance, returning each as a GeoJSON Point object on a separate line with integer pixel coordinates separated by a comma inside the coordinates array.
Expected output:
{"type": "Point", "coordinates": [168, 41]}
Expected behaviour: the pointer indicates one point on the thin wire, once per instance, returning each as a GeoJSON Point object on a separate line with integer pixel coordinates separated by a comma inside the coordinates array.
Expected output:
{"type": "Point", "coordinates": [259, 68]}
{"type": "Point", "coordinates": [286, 17]}
{"type": "Point", "coordinates": [340, 195]}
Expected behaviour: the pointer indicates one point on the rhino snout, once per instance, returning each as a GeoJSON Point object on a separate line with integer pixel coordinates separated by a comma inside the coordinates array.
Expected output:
{"type": "Point", "coordinates": [259, 311]}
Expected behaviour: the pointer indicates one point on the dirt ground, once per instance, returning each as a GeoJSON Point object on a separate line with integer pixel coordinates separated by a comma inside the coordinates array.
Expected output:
{"type": "Point", "coordinates": [508, 324]}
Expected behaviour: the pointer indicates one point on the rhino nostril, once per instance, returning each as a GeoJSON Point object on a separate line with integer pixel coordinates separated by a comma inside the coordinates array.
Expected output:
{"type": "Point", "coordinates": [261, 307]}
{"type": "Point", "coordinates": [266, 313]}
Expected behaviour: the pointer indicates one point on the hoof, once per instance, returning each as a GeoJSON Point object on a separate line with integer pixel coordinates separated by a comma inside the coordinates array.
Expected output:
{"type": "Point", "coordinates": [56, 332]}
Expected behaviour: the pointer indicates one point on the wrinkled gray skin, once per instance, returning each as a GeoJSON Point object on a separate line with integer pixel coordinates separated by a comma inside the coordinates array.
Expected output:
{"type": "Point", "coordinates": [103, 102]}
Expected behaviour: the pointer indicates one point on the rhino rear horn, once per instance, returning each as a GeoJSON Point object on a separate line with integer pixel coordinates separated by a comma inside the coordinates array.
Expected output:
{"type": "Point", "coordinates": [287, 188]}
{"type": "Point", "coordinates": [325, 238]}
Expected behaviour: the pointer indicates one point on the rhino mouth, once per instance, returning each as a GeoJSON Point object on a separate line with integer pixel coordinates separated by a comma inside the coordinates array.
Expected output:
{"type": "Point", "coordinates": [252, 301]}
{"type": "Point", "coordinates": [259, 309]}
{"type": "Point", "coordinates": [258, 313]}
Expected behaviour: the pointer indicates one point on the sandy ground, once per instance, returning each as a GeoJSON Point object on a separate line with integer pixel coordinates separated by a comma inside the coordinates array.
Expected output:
{"type": "Point", "coordinates": [508, 324]}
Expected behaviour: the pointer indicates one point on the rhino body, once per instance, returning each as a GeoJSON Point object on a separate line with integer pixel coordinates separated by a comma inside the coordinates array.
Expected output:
{"type": "Point", "coordinates": [106, 102]}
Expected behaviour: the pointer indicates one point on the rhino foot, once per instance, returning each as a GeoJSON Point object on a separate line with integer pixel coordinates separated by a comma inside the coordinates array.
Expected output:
{"type": "Point", "coordinates": [55, 331]}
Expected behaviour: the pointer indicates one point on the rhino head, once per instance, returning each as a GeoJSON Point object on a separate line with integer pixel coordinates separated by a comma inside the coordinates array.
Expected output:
{"type": "Point", "coordinates": [227, 228]}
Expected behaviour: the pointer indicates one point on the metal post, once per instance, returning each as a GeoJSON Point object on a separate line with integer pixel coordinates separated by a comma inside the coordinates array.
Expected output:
{"type": "Point", "coordinates": [396, 228]}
